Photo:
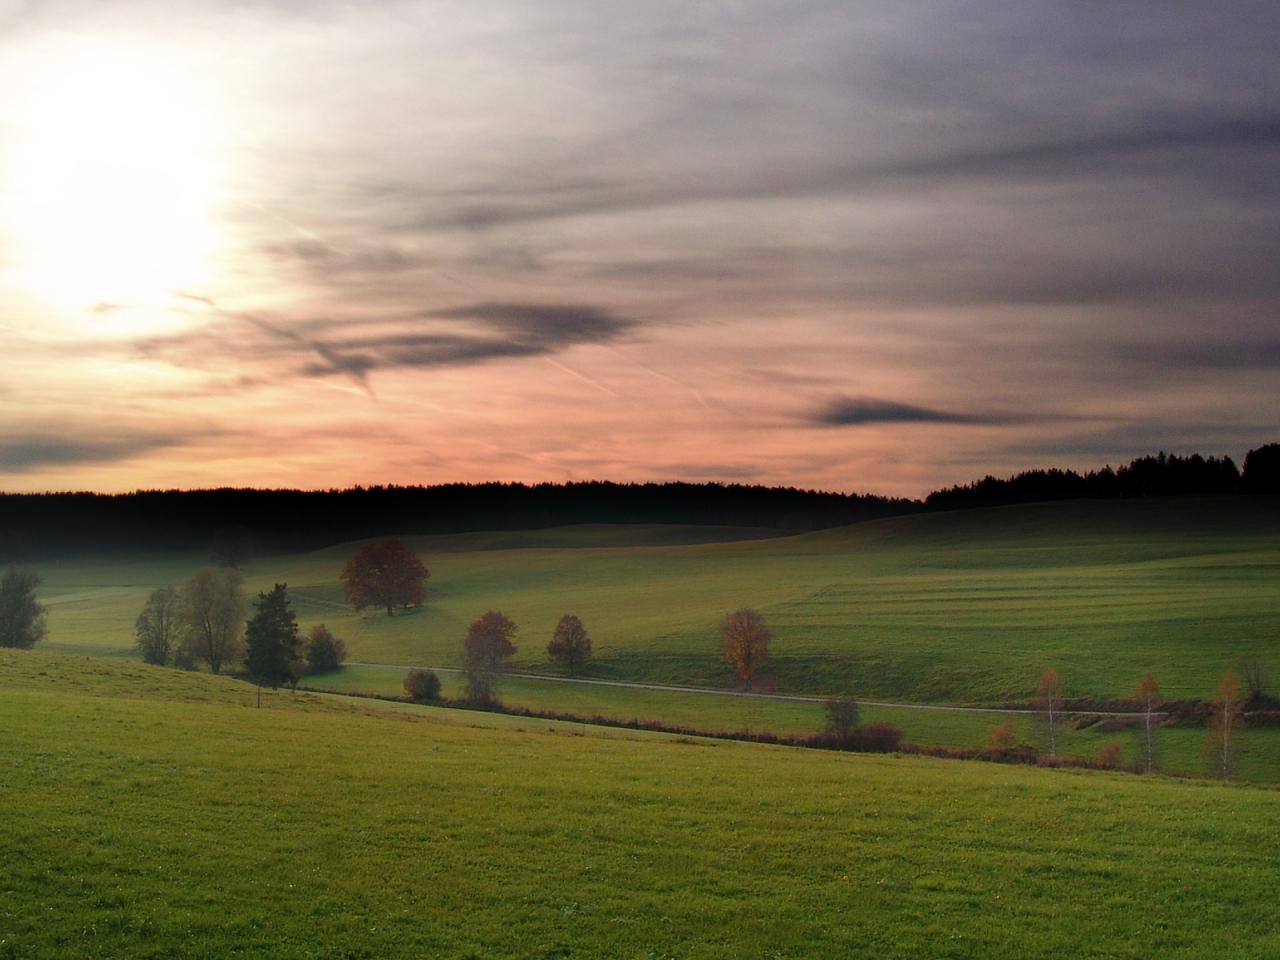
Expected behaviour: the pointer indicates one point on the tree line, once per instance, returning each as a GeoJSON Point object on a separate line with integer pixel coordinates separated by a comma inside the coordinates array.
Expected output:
{"type": "Point", "coordinates": [234, 523]}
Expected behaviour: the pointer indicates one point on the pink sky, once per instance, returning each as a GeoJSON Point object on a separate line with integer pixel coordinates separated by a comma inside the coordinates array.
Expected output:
{"type": "Point", "coordinates": [840, 246]}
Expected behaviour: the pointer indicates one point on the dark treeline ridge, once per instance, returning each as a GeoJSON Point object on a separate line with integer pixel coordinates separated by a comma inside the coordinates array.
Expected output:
{"type": "Point", "coordinates": [249, 520]}
{"type": "Point", "coordinates": [270, 520]}
{"type": "Point", "coordinates": [1162, 475]}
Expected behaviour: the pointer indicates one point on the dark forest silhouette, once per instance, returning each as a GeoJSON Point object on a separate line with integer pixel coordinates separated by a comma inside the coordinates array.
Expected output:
{"type": "Point", "coordinates": [34, 525]}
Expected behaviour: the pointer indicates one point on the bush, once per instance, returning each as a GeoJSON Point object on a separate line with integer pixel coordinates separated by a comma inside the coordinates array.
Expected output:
{"type": "Point", "coordinates": [325, 652]}
{"type": "Point", "coordinates": [1110, 756]}
{"type": "Point", "coordinates": [1002, 738]}
{"type": "Point", "coordinates": [422, 685]}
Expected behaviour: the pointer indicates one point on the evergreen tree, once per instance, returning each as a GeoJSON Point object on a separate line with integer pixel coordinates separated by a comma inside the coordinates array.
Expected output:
{"type": "Point", "coordinates": [273, 646]}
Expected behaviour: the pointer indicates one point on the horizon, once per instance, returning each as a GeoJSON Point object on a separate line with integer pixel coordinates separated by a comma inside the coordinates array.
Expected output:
{"type": "Point", "coordinates": [848, 248]}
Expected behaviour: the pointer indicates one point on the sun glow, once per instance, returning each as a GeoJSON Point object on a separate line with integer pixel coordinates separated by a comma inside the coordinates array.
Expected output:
{"type": "Point", "coordinates": [113, 169]}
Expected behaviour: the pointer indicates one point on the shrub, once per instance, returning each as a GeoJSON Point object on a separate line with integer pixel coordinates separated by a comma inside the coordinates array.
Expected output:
{"type": "Point", "coordinates": [1002, 738]}
{"type": "Point", "coordinates": [325, 652]}
{"type": "Point", "coordinates": [422, 685]}
{"type": "Point", "coordinates": [877, 737]}
{"type": "Point", "coordinates": [1110, 756]}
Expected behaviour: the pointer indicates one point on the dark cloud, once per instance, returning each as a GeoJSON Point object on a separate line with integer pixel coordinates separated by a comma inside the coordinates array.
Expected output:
{"type": "Point", "coordinates": [456, 336]}
{"type": "Point", "coordinates": [861, 411]}
{"type": "Point", "coordinates": [24, 452]}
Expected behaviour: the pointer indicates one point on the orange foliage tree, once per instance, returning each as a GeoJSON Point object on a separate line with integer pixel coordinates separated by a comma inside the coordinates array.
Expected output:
{"type": "Point", "coordinates": [1050, 692]}
{"type": "Point", "coordinates": [1226, 721]}
{"type": "Point", "coordinates": [1149, 697]}
{"type": "Point", "coordinates": [744, 640]}
{"type": "Point", "coordinates": [385, 574]}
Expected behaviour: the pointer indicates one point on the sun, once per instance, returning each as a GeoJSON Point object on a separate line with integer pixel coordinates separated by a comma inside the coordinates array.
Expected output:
{"type": "Point", "coordinates": [112, 177]}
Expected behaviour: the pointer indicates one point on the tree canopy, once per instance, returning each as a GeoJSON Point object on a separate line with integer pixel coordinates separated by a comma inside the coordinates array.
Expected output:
{"type": "Point", "coordinates": [385, 574]}
{"type": "Point", "coordinates": [744, 641]}
{"type": "Point", "coordinates": [485, 650]}
{"type": "Point", "coordinates": [22, 618]}
{"type": "Point", "coordinates": [272, 645]}
{"type": "Point", "coordinates": [212, 611]}
{"type": "Point", "coordinates": [570, 643]}
{"type": "Point", "coordinates": [157, 627]}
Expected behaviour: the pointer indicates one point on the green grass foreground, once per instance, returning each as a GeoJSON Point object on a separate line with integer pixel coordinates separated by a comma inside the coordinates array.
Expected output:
{"type": "Point", "coordinates": [953, 607]}
{"type": "Point", "coordinates": [153, 813]}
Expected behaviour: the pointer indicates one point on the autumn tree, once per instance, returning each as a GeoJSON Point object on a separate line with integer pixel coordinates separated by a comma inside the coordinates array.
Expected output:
{"type": "Point", "coordinates": [211, 607]}
{"type": "Point", "coordinates": [1149, 697]}
{"type": "Point", "coordinates": [485, 650]}
{"type": "Point", "coordinates": [570, 644]}
{"type": "Point", "coordinates": [744, 641]}
{"type": "Point", "coordinates": [325, 652]}
{"type": "Point", "coordinates": [272, 645]}
{"type": "Point", "coordinates": [385, 574]}
{"type": "Point", "coordinates": [22, 617]}
{"type": "Point", "coordinates": [157, 629]}
{"type": "Point", "coordinates": [1002, 738]}
{"type": "Point", "coordinates": [1049, 690]}
{"type": "Point", "coordinates": [1226, 722]}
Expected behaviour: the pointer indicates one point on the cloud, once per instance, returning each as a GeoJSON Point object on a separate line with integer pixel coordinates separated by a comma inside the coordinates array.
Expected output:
{"type": "Point", "coordinates": [22, 452]}
{"type": "Point", "coordinates": [863, 411]}
{"type": "Point", "coordinates": [457, 336]}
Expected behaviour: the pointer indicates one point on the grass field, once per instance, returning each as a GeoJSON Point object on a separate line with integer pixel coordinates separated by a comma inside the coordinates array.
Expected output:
{"type": "Point", "coordinates": [969, 606]}
{"type": "Point", "coordinates": [1181, 749]}
{"type": "Point", "coordinates": [154, 813]}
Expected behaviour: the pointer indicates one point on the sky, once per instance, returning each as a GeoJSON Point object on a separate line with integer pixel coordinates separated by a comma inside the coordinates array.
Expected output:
{"type": "Point", "coordinates": [856, 246]}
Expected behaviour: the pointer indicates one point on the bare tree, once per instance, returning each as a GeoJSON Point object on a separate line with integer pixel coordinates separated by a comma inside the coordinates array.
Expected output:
{"type": "Point", "coordinates": [212, 610]}
{"type": "Point", "coordinates": [1050, 693]}
{"type": "Point", "coordinates": [1149, 696]}
{"type": "Point", "coordinates": [156, 629]}
{"type": "Point", "coordinates": [1224, 728]}
{"type": "Point", "coordinates": [744, 641]}
{"type": "Point", "coordinates": [1254, 674]}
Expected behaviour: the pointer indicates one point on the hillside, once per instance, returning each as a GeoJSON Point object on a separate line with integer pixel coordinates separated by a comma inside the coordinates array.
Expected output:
{"type": "Point", "coordinates": [948, 607]}
{"type": "Point", "coordinates": [169, 818]}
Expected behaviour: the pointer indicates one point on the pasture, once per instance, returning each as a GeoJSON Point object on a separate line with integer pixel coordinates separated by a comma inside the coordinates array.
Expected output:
{"type": "Point", "coordinates": [166, 817]}
{"type": "Point", "coordinates": [962, 607]}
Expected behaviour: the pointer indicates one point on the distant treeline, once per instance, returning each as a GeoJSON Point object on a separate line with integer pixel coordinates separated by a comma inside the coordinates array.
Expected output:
{"type": "Point", "coordinates": [238, 521]}
{"type": "Point", "coordinates": [1163, 475]}
{"type": "Point", "coordinates": [233, 520]}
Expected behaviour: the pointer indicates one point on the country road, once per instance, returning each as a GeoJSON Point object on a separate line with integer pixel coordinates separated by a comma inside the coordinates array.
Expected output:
{"type": "Point", "coordinates": [709, 691]}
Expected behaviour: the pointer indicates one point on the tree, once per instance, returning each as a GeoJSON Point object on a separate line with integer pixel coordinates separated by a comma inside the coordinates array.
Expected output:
{"type": "Point", "coordinates": [272, 654]}
{"type": "Point", "coordinates": [842, 718]}
{"type": "Point", "coordinates": [325, 652]}
{"type": "Point", "coordinates": [485, 650]}
{"type": "Point", "coordinates": [157, 628]}
{"type": "Point", "coordinates": [1262, 470]}
{"type": "Point", "coordinates": [1002, 738]}
{"type": "Point", "coordinates": [211, 604]}
{"type": "Point", "coordinates": [570, 644]}
{"type": "Point", "coordinates": [1149, 697]}
{"type": "Point", "coordinates": [23, 619]}
{"type": "Point", "coordinates": [744, 641]}
{"type": "Point", "coordinates": [385, 574]}
{"type": "Point", "coordinates": [1226, 722]}
{"type": "Point", "coordinates": [422, 685]}
{"type": "Point", "coordinates": [1050, 692]}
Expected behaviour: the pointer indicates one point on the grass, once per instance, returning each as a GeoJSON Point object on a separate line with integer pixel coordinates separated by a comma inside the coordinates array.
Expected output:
{"type": "Point", "coordinates": [970, 606]}
{"type": "Point", "coordinates": [1181, 748]}
{"type": "Point", "coordinates": [151, 813]}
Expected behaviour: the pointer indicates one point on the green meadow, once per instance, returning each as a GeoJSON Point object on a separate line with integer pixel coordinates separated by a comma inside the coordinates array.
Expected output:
{"type": "Point", "coordinates": [970, 606]}
{"type": "Point", "coordinates": [154, 813]}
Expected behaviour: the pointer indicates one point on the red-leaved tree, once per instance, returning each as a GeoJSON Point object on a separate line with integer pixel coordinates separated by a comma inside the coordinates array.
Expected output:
{"type": "Point", "coordinates": [744, 641]}
{"type": "Point", "coordinates": [385, 574]}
